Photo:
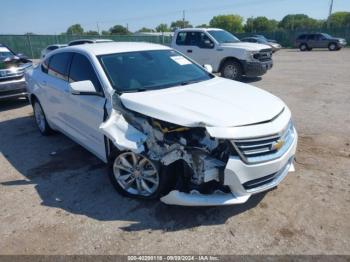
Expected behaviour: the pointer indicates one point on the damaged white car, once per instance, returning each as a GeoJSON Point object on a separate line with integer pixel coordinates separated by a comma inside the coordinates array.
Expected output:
{"type": "Point", "coordinates": [168, 127]}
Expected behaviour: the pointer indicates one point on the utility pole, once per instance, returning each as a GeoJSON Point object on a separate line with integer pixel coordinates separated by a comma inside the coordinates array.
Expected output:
{"type": "Point", "coordinates": [329, 15]}
{"type": "Point", "coordinates": [183, 18]}
{"type": "Point", "coordinates": [98, 28]}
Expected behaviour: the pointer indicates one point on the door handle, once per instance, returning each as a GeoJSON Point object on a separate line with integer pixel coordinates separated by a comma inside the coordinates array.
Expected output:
{"type": "Point", "coordinates": [189, 51]}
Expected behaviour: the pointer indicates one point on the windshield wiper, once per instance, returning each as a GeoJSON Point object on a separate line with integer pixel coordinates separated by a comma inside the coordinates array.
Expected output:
{"type": "Point", "coordinates": [185, 83]}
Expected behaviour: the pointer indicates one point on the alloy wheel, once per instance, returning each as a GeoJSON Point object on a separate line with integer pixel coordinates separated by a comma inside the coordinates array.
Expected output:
{"type": "Point", "coordinates": [136, 174]}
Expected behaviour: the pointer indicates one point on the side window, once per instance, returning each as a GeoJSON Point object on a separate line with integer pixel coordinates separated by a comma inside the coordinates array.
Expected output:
{"type": "Point", "coordinates": [58, 66]}
{"type": "Point", "coordinates": [81, 70]}
{"type": "Point", "coordinates": [45, 66]}
{"type": "Point", "coordinates": [205, 41]}
{"type": "Point", "coordinates": [312, 37]}
{"type": "Point", "coordinates": [181, 38]}
{"type": "Point", "coordinates": [192, 38]}
{"type": "Point", "coordinates": [302, 37]}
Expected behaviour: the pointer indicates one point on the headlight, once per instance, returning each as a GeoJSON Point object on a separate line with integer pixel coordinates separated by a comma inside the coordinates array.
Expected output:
{"type": "Point", "coordinates": [253, 55]}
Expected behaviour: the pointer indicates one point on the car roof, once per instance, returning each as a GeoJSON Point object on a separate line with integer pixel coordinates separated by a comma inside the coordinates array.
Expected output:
{"type": "Point", "coordinates": [199, 29]}
{"type": "Point", "coordinates": [113, 47]}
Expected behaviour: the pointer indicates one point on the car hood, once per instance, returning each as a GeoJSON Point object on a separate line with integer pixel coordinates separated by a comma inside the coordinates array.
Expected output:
{"type": "Point", "coordinates": [245, 45]}
{"type": "Point", "coordinates": [214, 103]}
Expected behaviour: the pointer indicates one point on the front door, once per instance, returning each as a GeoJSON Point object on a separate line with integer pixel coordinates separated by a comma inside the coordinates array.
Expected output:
{"type": "Point", "coordinates": [85, 113]}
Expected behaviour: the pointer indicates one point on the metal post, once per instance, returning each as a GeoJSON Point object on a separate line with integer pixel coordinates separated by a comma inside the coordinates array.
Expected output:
{"type": "Point", "coordinates": [30, 46]}
{"type": "Point", "coordinates": [183, 18]}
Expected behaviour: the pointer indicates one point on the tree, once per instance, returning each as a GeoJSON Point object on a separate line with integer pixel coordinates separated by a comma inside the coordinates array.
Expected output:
{"type": "Point", "coordinates": [260, 24]}
{"type": "Point", "coordinates": [76, 29]}
{"type": "Point", "coordinates": [145, 29]}
{"type": "Point", "coordinates": [104, 32]}
{"type": "Point", "coordinates": [91, 32]}
{"type": "Point", "coordinates": [231, 23]}
{"type": "Point", "coordinates": [299, 21]}
{"type": "Point", "coordinates": [340, 19]}
{"type": "Point", "coordinates": [180, 24]}
{"type": "Point", "coordinates": [162, 28]}
{"type": "Point", "coordinates": [202, 26]}
{"type": "Point", "coordinates": [119, 30]}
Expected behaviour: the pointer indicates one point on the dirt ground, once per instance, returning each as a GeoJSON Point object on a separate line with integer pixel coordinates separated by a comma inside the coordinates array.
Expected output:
{"type": "Point", "coordinates": [63, 203]}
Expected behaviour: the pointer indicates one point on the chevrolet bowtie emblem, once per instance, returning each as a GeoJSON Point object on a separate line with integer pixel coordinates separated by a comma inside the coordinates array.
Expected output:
{"type": "Point", "coordinates": [277, 145]}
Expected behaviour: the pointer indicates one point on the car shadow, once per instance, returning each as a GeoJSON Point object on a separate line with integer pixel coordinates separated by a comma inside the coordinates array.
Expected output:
{"type": "Point", "coordinates": [248, 80]}
{"type": "Point", "coordinates": [68, 177]}
{"type": "Point", "coordinates": [10, 104]}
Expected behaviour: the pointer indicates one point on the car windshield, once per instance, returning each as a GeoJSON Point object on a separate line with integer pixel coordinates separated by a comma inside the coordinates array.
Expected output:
{"type": "Point", "coordinates": [150, 70]}
{"type": "Point", "coordinates": [223, 36]}
{"type": "Point", "coordinates": [261, 37]}
{"type": "Point", "coordinates": [5, 53]}
{"type": "Point", "coordinates": [327, 36]}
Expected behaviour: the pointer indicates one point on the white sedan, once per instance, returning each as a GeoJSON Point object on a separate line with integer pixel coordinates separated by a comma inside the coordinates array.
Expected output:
{"type": "Point", "coordinates": [169, 128]}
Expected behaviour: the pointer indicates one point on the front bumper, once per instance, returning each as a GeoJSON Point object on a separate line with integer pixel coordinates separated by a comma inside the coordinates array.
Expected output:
{"type": "Point", "coordinates": [258, 68]}
{"type": "Point", "coordinates": [13, 88]}
{"type": "Point", "coordinates": [236, 176]}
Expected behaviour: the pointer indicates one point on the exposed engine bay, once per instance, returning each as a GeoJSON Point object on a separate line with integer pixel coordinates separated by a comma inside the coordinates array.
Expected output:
{"type": "Point", "coordinates": [202, 159]}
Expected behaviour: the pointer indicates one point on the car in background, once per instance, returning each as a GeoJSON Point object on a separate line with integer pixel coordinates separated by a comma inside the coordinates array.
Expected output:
{"type": "Point", "coordinates": [12, 68]}
{"type": "Point", "coordinates": [50, 48]}
{"type": "Point", "coordinates": [168, 127]}
{"type": "Point", "coordinates": [224, 52]}
{"type": "Point", "coordinates": [306, 42]}
{"type": "Point", "coordinates": [264, 38]}
{"type": "Point", "coordinates": [275, 46]}
{"type": "Point", "coordinates": [88, 41]}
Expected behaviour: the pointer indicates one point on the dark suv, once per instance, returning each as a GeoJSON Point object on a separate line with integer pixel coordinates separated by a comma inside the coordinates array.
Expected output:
{"type": "Point", "coordinates": [306, 42]}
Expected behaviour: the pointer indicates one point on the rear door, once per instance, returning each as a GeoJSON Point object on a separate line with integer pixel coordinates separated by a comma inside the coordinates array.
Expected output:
{"type": "Point", "coordinates": [56, 86]}
{"type": "Point", "coordinates": [196, 45]}
{"type": "Point", "coordinates": [313, 41]}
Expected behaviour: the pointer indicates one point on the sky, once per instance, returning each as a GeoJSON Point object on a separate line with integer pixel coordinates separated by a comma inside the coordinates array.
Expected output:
{"type": "Point", "coordinates": [54, 17]}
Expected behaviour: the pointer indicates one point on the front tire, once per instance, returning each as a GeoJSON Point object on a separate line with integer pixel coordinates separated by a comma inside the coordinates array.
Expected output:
{"type": "Point", "coordinates": [232, 70]}
{"type": "Point", "coordinates": [332, 47]}
{"type": "Point", "coordinates": [136, 176]}
{"type": "Point", "coordinates": [40, 119]}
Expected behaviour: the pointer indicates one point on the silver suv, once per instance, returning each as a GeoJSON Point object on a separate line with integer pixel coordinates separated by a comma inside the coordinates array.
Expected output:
{"type": "Point", "coordinates": [12, 67]}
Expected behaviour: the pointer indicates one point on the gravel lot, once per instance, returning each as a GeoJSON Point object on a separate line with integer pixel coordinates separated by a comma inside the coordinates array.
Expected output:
{"type": "Point", "coordinates": [63, 203]}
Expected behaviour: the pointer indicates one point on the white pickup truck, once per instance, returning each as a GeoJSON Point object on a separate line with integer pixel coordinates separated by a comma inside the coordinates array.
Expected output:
{"type": "Point", "coordinates": [224, 52]}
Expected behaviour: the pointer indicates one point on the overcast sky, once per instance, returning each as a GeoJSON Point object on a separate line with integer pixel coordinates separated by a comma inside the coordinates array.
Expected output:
{"type": "Point", "coordinates": [50, 17]}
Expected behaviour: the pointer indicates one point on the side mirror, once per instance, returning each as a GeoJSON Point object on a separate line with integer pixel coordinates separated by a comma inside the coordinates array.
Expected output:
{"type": "Point", "coordinates": [82, 88]}
{"type": "Point", "coordinates": [209, 68]}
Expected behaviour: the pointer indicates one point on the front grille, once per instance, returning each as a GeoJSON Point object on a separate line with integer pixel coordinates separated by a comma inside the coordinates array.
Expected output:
{"type": "Point", "coordinates": [9, 74]}
{"type": "Point", "coordinates": [264, 55]}
{"type": "Point", "coordinates": [262, 149]}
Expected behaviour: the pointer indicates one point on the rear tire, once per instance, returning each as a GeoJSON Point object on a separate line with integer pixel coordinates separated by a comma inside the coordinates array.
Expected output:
{"type": "Point", "coordinates": [303, 47]}
{"type": "Point", "coordinates": [40, 119]}
{"type": "Point", "coordinates": [332, 47]}
{"type": "Point", "coordinates": [232, 70]}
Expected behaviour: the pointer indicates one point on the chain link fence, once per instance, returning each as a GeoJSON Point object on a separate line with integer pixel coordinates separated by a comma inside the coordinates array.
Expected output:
{"type": "Point", "coordinates": [31, 45]}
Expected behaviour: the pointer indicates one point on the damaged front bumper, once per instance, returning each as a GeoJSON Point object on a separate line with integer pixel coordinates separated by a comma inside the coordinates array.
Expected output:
{"type": "Point", "coordinates": [244, 180]}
